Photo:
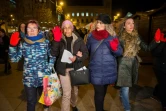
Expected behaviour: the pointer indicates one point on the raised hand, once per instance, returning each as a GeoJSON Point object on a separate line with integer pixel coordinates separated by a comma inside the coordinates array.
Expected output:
{"type": "Point", "coordinates": [14, 40]}
{"type": "Point", "coordinates": [114, 44]}
{"type": "Point", "coordinates": [57, 33]}
{"type": "Point", "coordinates": [157, 35]}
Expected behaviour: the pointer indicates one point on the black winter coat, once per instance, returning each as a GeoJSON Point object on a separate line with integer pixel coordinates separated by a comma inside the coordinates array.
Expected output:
{"type": "Point", "coordinates": [160, 57]}
{"type": "Point", "coordinates": [58, 48]}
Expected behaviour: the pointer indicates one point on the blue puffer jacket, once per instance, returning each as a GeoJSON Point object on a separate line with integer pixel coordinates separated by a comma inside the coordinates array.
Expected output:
{"type": "Point", "coordinates": [36, 63]}
{"type": "Point", "coordinates": [103, 65]}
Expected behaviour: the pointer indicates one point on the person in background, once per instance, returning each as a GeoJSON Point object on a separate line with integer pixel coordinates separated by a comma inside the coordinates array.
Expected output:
{"type": "Point", "coordinates": [21, 30]}
{"type": "Point", "coordinates": [4, 47]}
{"type": "Point", "coordinates": [35, 49]}
{"type": "Point", "coordinates": [160, 67]}
{"type": "Point", "coordinates": [102, 64]}
{"type": "Point", "coordinates": [128, 63]}
{"type": "Point", "coordinates": [74, 44]}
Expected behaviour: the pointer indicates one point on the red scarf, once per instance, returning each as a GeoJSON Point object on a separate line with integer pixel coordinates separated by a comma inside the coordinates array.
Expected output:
{"type": "Point", "coordinates": [99, 35]}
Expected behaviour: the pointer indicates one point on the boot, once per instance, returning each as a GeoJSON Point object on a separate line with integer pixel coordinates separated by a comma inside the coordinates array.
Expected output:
{"type": "Point", "coordinates": [74, 108]}
{"type": "Point", "coordinates": [47, 109]}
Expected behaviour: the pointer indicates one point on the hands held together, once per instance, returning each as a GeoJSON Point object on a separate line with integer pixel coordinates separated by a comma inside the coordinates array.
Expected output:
{"type": "Point", "coordinates": [159, 36]}
{"type": "Point", "coordinates": [79, 54]}
{"type": "Point", "coordinates": [114, 44]}
{"type": "Point", "coordinates": [57, 33]}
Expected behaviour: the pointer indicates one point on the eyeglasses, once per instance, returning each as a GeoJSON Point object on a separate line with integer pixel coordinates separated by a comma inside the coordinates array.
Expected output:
{"type": "Point", "coordinates": [34, 28]}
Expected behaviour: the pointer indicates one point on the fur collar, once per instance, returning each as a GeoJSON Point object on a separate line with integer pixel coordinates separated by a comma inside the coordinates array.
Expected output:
{"type": "Point", "coordinates": [131, 43]}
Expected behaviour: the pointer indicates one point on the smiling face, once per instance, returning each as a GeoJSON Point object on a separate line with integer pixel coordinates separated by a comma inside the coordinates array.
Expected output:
{"type": "Point", "coordinates": [129, 25]}
{"type": "Point", "coordinates": [67, 30]}
{"type": "Point", "coordinates": [32, 29]}
{"type": "Point", "coordinates": [100, 25]}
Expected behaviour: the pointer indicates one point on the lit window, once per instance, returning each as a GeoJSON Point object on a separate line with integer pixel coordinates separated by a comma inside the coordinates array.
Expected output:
{"type": "Point", "coordinates": [87, 14]}
{"type": "Point", "coordinates": [92, 14]}
{"type": "Point", "coordinates": [73, 15]}
{"type": "Point", "coordinates": [78, 14]}
{"type": "Point", "coordinates": [82, 14]}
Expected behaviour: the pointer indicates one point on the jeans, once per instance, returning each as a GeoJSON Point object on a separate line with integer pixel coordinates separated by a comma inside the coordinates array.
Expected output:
{"type": "Point", "coordinates": [124, 94]}
{"type": "Point", "coordinates": [100, 92]}
{"type": "Point", "coordinates": [31, 94]}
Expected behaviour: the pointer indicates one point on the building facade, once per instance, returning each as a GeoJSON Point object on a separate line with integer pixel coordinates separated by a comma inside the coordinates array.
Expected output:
{"type": "Point", "coordinates": [82, 15]}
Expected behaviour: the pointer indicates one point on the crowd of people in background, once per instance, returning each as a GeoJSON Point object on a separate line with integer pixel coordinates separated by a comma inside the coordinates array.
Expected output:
{"type": "Point", "coordinates": [113, 58]}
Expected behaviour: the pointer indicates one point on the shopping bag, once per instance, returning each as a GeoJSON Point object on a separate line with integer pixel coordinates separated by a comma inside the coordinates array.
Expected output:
{"type": "Point", "coordinates": [51, 89]}
{"type": "Point", "coordinates": [79, 77]}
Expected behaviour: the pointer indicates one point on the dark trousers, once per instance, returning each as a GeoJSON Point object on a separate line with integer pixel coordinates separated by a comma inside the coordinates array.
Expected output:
{"type": "Point", "coordinates": [31, 94]}
{"type": "Point", "coordinates": [160, 89]}
{"type": "Point", "coordinates": [100, 92]}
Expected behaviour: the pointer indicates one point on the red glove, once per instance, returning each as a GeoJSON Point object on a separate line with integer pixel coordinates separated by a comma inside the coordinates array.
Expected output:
{"type": "Point", "coordinates": [14, 39]}
{"type": "Point", "coordinates": [114, 44]}
{"type": "Point", "coordinates": [57, 33]}
{"type": "Point", "coordinates": [157, 35]}
{"type": "Point", "coordinates": [162, 38]}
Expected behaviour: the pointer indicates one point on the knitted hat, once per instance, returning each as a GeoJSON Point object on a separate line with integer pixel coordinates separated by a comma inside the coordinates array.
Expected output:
{"type": "Point", "coordinates": [67, 22]}
{"type": "Point", "coordinates": [104, 18]}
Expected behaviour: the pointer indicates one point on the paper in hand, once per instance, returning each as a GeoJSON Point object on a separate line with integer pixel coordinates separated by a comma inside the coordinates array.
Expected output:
{"type": "Point", "coordinates": [65, 56]}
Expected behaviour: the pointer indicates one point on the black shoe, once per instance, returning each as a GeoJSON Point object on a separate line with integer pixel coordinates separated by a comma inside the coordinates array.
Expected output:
{"type": "Point", "coordinates": [74, 108]}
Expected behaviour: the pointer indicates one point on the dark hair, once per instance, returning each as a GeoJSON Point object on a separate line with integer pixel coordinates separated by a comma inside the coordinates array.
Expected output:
{"type": "Point", "coordinates": [3, 31]}
{"type": "Point", "coordinates": [19, 27]}
{"type": "Point", "coordinates": [33, 22]}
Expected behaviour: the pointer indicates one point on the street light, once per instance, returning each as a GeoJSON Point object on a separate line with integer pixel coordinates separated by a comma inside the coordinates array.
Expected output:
{"type": "Point", "coordinates": [61, 3]}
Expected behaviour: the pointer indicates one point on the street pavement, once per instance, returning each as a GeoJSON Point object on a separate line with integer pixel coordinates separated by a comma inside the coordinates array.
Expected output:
{"type": "Point", "coordinates": [12, 95]}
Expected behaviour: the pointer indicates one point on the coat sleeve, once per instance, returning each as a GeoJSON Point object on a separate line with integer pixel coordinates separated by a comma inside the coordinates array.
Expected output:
{"type": "Point", "coordinates": [157, 52]}
{"type": "Point", "coordinates": [55, 48]}
{"type": "Point", "coordinates": [84, 51]}
{"type": "Point", "coordinates": [15, 53]}
{"type": "Point", "coordinates": [51, 57]}
{"type": "Point", "coordinates": [147, 47]}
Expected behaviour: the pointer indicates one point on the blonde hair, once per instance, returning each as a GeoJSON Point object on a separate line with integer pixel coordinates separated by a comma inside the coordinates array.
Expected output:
{"type": "Point", "coordinates": [109, 28]}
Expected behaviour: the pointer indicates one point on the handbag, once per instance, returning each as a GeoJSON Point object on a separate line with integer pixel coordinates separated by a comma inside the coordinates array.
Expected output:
{"type": "Point", "coordinates": [51, 89]}
{"type": "Point", "coordinates": [81, 76]}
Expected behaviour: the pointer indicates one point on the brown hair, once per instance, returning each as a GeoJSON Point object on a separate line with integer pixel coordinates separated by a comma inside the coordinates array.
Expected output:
{"type": "Point", "coordinates": [33, 22]}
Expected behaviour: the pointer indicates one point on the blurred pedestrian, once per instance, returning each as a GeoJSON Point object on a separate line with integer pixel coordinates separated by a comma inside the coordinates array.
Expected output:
{"type": "Point", "coordinates": [160, 67]}
{"type": "Point", "coordinates": [74, 44]}
{"type": "Point", "coordinates": [4, 47]}
{"type": "Point", "coordinates": [21, 30]}
{"type": "Point", "coordinates": [35, 50]}
{"type": "Point", "coordinates": [104, 47]}
{"type": "Point", "coordinates": [128, 63]}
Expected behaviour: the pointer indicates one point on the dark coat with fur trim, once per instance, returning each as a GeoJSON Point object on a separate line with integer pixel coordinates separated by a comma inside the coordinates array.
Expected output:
{"type": "Point", "coordinates": [103, 64]}
{"type": "Point", "coordinates": [128, 65]}
{"type": "Point", "coordinates": [58, 48]}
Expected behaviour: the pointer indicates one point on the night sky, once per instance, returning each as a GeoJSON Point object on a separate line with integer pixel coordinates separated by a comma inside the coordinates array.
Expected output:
{"type": "Point", "coordinates": [122, 6]}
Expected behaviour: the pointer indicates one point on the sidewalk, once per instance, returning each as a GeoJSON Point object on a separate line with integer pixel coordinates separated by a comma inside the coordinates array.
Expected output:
{"type": "Point", "coordinates": [12, 96]}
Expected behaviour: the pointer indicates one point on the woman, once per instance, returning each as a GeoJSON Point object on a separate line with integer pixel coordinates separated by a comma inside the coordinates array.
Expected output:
{"type": "Point", "coordinates": [73, 43]}
{"type": "Point", "coordinates": [160, 67]}
{"type": "Point", "coordinates": [35, 51]}
{"type": "Point", "coordinates": [129, 62]}
{"type": "Point", "coordinates": [103, 64]}
{"type": "Point", "coordinates": [21, 30]}
{"type": "Point", "coordinates": [4, 47]}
